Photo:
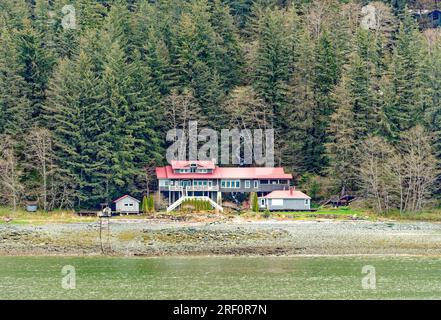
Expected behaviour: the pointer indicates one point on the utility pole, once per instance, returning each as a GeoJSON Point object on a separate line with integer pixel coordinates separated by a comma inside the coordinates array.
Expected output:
{"type": "Point", "coordinates": [105, 213]}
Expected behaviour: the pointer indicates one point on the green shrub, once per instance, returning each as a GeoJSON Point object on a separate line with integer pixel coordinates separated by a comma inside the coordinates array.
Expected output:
{"type": "Point", "coordinates": [254, 202]}
{"type": "Point", "coordinates": [266, 213]}
{"type": "Point", "coordinates": [144, 205]}
{"type": "Point", "coordinates": [151, 203]}
{"type": "Point", "coordinates": [198, 205]}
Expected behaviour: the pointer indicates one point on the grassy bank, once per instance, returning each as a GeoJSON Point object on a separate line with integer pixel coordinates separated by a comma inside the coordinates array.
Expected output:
{"type": "Point", "coordinates": [433, 215]}
{"type": "Point", "coordinates": [7, 215]}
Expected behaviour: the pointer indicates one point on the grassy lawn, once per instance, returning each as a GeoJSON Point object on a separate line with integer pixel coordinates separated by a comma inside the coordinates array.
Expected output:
{"type": "Point", "coordinates": [328, 213]}
{"type": "Point", "coordinates": [342, 213]}
{"type": "Point", "coordinates": [23, 217]}
{"type": "Point", "coordinates": [433, 215]}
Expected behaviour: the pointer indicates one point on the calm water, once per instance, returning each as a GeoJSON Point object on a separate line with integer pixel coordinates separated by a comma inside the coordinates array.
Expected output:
{"type": "Point", "coordinates": [220, 278]}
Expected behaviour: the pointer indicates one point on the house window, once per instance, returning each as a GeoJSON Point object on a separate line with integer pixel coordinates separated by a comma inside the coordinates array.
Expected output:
{"type": "Point", "coordinates": [185, 183]}
{"type": "Point", "coordinates": [306, 201]}
{"type": "Point", "coordinates": [256, 184]}
{"type": "Point", "coordinates": [200, 183]}
{"type": "Point", "coordinates": [247, 184]}
{"type": "Point", "coordinates": [262, 202]}
{"type": "Point", "coordinates": [230, 184]}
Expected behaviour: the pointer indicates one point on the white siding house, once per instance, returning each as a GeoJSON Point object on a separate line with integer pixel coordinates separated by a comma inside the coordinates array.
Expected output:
{"type": "Point", "coordinates": [285, 200]}
{"type": "Point", "coordinates": [127, 204]}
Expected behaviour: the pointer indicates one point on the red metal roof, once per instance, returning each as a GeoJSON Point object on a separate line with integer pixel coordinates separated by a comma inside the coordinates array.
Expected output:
{"type": "Point", "coordinates": [287, 194]}
{"type": "Point", "coordinates": [125, 196]}
{"type": "Point", "coordinates": [226, 173]}
{"type": "Point", "coordinates": [186, 164]}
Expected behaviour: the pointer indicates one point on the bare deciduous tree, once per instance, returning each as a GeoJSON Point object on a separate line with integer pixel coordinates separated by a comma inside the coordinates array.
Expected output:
{"type": "Point", "coordinates": [149, 176]}
{"type": "Point", "coordinates": [246, 110]}
{"type": "Point", "coordinates": [386, 21]}
{"type": "Point", "coordinates": [40, 156]}
{"type": "Point", "coordinates": [400, 177]}
{"type": "Point", "coordinates": [418, 169]}
{"type": "Point", "coordinates": [318, 16]}
{"type": "Point", "coordinates": [181, 108]}
{"type": "Point", "coordinates": [10, 184]}
{"type": "Point", "coordinates": [377, 180]}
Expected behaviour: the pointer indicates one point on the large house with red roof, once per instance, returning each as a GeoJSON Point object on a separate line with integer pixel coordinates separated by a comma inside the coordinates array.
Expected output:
{"type": "Point", "coordinates": [205, 179]}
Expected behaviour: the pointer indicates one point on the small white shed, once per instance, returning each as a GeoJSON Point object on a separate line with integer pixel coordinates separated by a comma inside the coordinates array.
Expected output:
{"type": "Point", "coordinates": [126, 204]}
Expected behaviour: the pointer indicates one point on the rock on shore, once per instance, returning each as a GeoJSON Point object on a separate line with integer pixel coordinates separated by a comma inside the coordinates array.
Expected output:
{"type": "Point", "coordinates": [155, 238]}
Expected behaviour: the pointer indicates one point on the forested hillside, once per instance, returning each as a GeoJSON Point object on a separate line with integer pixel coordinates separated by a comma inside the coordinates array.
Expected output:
{"type": "Point", "coordinates": [85, 102]}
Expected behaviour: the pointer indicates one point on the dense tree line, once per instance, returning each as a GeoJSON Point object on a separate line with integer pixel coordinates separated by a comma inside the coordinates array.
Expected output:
{"type": "Point", "coordinates": [88, 91]}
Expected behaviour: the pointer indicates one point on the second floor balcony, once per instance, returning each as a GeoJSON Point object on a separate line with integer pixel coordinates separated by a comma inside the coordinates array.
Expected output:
{"type": "Point", "coordinates": [194, 188]}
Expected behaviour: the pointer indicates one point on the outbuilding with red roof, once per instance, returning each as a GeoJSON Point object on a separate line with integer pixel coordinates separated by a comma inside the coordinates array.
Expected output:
{"type": "Point", "coordinates": [285, 200]}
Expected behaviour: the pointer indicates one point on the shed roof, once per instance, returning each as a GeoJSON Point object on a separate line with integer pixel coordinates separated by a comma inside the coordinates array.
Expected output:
{"type": "Point", "coordinates": [287, 194]}
{"type": "Point", "coordinates": [126, 196]}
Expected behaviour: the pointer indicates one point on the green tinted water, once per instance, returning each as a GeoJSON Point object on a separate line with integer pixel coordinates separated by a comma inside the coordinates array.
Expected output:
{"type": "Point", "coordinates": [220, 278]}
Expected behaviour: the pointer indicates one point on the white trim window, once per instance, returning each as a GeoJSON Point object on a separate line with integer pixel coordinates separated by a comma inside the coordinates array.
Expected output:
{"type": "Point", "coordinates": [230, 184]}
{"type": "Point", "coordinates": [306, 202]}
{"type": "Point", "coordinates": [247, 184]}
{"type": "Point", "coordinates": [256, 184]}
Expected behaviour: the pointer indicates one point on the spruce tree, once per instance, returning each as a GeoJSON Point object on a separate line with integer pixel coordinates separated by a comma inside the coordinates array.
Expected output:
{"type": "Point", "coordinates": [361, 93]}
{"type": "Point", "coordinates": [325, 75]}
{"type": "Point", "coordinates": [341, 148]}
{"type": "Point", "coordinates": [14, 102]}
{"type": "Point", "coordinates": [433, 88]}
{"type": "Point", "coordinates": [73, 97]}
{"type": "Point", "coordinates": [228, 44]}
{"type": "Point", "coordinates": [196, 62]}
{"type": "Point", "coordinates": [37, 65]}
{"type": "Point", "coordinates": [273, 61]}
{"type": "Point", "coordinates": [407, 96]}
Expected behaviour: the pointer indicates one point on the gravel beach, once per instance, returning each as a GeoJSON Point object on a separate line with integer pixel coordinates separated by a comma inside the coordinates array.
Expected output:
{"type": "Point", "coordinates": [236, 237]}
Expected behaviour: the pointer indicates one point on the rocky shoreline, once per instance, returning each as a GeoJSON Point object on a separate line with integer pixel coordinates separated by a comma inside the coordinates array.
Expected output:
{"type": "Point", "coordinates": [234, 237]}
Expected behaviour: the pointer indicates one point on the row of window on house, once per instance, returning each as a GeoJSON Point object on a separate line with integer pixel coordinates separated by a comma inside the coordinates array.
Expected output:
{"type": "Point", "coordinates": [228, 184]}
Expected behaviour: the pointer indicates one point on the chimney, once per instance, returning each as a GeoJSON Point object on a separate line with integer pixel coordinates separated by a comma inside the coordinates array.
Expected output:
{"type": "Point", "coordinates": [291, 190]}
